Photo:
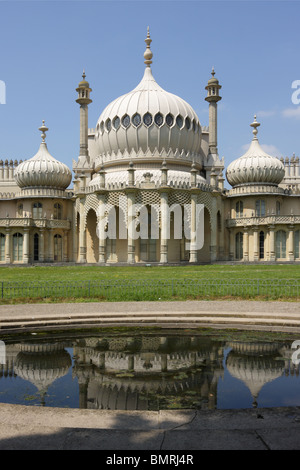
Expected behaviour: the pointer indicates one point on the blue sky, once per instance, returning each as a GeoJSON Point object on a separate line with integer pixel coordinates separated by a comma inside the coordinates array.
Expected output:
{"type": "Point", "coordinates": [254, 47]}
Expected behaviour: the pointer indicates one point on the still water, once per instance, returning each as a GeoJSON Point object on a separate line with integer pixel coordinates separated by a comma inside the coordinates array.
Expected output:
{"type": "Point", "coordinates": [149, 371]}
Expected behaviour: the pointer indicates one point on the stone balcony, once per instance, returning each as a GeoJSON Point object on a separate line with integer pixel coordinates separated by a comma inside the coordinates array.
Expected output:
{"type": "Point", "coordinates": [266, 220]}
{"type": "Point", "coordinates": [29, 222]}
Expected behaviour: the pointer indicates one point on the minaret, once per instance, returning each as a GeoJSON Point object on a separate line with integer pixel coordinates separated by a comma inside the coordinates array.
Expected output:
{"type": "Point", "coordinates": [84, 100]}
{"type": "Point", "coordinates": [213, 97]}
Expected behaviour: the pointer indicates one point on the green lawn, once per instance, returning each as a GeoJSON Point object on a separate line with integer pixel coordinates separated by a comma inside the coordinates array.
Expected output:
{"type": "Point", "coordinates": [80, 273]}
{"type": "Point", "coordinates": [135, 283]}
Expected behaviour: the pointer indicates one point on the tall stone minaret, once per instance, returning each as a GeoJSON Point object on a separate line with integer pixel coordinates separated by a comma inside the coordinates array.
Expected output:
{"type": "Point", "coordinates": [213, 97]}
{"type": "Point", "coordinates": [84, 100]}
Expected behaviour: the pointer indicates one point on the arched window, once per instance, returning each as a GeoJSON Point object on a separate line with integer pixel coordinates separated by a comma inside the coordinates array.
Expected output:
{"type": "Point", "coordinates": [57, 211]}
{"type": "Point", "coordinates": [37, 209]}
{"type": "Point", "coordinates": [239, 208]}
{"type": "Point", "coordinates": [239, 246]}
{"type": "Point", "coordinates": [57, 247]}
{"type": "Point", "coordinates": [2, 247]}
{"type": "Point", "coordinates": [261, 245]}
{"type": "Point", "coordinates": [297, 244]}
{"type": "Point", "coordinates": [17, 247]}
{"type": "Point", "coordinates": [280, 244]}
{"type": "Point", "coordinates": [260, 208]}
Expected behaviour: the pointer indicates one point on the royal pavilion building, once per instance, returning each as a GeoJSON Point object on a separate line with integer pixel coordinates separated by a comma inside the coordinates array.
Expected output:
{"type": "Point", "coordinates": [148, 187]}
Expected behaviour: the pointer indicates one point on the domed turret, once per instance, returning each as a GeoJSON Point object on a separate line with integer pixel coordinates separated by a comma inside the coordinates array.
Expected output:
{"type": "Point", "coordinates": [148, 121]}
{"type": "Point", "coordinates": [43, 170]}
{"type": "Point", "coordinates": [255, 166]}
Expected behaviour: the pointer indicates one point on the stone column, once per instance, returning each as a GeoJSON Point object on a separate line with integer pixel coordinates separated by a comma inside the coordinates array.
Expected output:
{"type": "Point", "coordinates": [65, 246]}
{"type": "Point", "coordinates": [26, 246]}
{"type": "Point", "coordinates": [213, 241]}
{"type": "Point", "coordinates": [246, 244]}
{"type": "Point", "coordinates": [231, 244]}
{"type": "Point", "coordinates": [291, 254]}
{"type": "Point", "coordinates": [272, 243]}
{"type": "Point", "coordinates": [82, 235]}
{"type": "Point", "coordinates": [41, 245]}
{"type": "Point", "coordinates": [131, 228]}
{"type": "Point", "coordinates": [50, 246]}
{"type": "Point", "coordinates": [255, 244]}
{"type": "Point", "coordinates": [164, 227]}
{"type": "Point", "coordinates": [7, 246]}
{"type": "Point", "coordinates": [193, 250]}
{"type": "Point", "coordinates": [101, 233]}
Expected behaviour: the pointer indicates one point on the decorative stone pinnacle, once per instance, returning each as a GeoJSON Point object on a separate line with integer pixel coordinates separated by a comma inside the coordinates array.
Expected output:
{"type": "Point", "coordinates": [43, 129]}
{"type": "Point", "coordinates": [255, 124]}
{"type": "Point", "coordinates": [213, 71]}
{"type": "Point", "coordinates": [148, 53]}
{"type": "Point", "coordinates": [83, 75]}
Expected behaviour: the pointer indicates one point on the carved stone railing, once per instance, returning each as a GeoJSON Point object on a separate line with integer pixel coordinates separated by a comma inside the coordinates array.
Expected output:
{"type": "Point", "coordinates": [29, 222]}
{"type": "Point", "coordinates": [267, 220]}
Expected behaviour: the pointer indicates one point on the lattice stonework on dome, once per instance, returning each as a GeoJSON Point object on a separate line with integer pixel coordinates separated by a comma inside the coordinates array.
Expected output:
{"type": "Point", "coordinates": [147, 197]}
{"type": "Point", "coordinates": [179, 197]}
{"type": "Point", "coordinates": [91, 202]}
{"type": "Point", "coordinates": [206, 199]}
{"type": "Point", "coordinates": [117, 199]}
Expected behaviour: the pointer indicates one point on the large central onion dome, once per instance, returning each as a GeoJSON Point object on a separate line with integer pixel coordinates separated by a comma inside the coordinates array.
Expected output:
{"type": "Point", "coordinates": [255, 166]}
{"type": "Point", "coordinates": [43, 170]}
{"type": "Point", "coordinates": [148, 121]}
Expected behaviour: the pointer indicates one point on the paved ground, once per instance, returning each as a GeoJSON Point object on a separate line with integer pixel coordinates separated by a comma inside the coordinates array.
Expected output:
{"type": "Point", "coordinates": [27, 428]}
{"type": "Point", "coordinates": [283, 316]}
{"type": "Point", "coordinates": [23, 427]}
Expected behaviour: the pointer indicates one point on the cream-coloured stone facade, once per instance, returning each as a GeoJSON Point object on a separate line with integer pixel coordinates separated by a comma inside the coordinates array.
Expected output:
{"type": "Point", "coordinates": [148, 187]}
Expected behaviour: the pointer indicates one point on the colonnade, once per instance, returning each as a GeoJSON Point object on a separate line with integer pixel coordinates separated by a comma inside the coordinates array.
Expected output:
{"type": "Point", "coordinates": [163, 236]}
{"type": "Point", "coordinates": [40, 245]}
{"type": "Point", "coordinates": [259, 243]}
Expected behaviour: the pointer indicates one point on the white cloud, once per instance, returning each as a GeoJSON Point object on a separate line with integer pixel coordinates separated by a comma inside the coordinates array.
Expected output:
{"type": "Point", "coordinates": [271, 150]}
{"type": "Point", "coordinates": [266, 113]}
{"type": "Point", "coordinates": [268, 148]}
{"type": "Point", "coordinates": [292, 112]}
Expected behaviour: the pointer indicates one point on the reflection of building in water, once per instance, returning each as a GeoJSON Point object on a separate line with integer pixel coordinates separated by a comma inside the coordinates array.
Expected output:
{"type": "Point", "coordinates": [140, 373]}
{"type": "Point", "coordinates": [7, 369]}
{"type": "Point", "coordinates": [149, 372]}
{"type": "Point", "coordinates": [42, 364]}
{"type": "Point", "coordinates": [255, 364]}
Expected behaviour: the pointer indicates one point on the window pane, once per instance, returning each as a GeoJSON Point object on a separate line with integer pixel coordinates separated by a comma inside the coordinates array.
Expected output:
{"type": "Point", "coordinates": [17, 247]}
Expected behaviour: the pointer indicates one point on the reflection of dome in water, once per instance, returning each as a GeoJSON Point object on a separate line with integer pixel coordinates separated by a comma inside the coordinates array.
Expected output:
{"type": "Point", "coordinates": [42, 364]}
{"type": "Point", "coordinates": [254, 370]}
{"type": "Point", "coordinates": [119, 377]}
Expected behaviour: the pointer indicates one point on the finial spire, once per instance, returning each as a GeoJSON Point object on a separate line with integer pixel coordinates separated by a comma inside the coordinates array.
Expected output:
{"type": "Point", "coordinates": [255, 124]}
{"type": "Point", "coordinates": [148, 53]}
{"type": "Point", "coordinates": [83, 75]}
{"type": "Point", "coordinates": [43, 129]}
{"type": "Point", "coordinates": [213, 71]}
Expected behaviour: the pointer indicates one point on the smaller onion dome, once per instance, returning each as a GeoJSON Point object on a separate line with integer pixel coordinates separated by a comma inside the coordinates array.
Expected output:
{"type": "Point", "coordinates": [43, 170]}
{"type": "Point", "coordinates": [255, 166]}
{"type": "Point", "coordinates": [83, 82]}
